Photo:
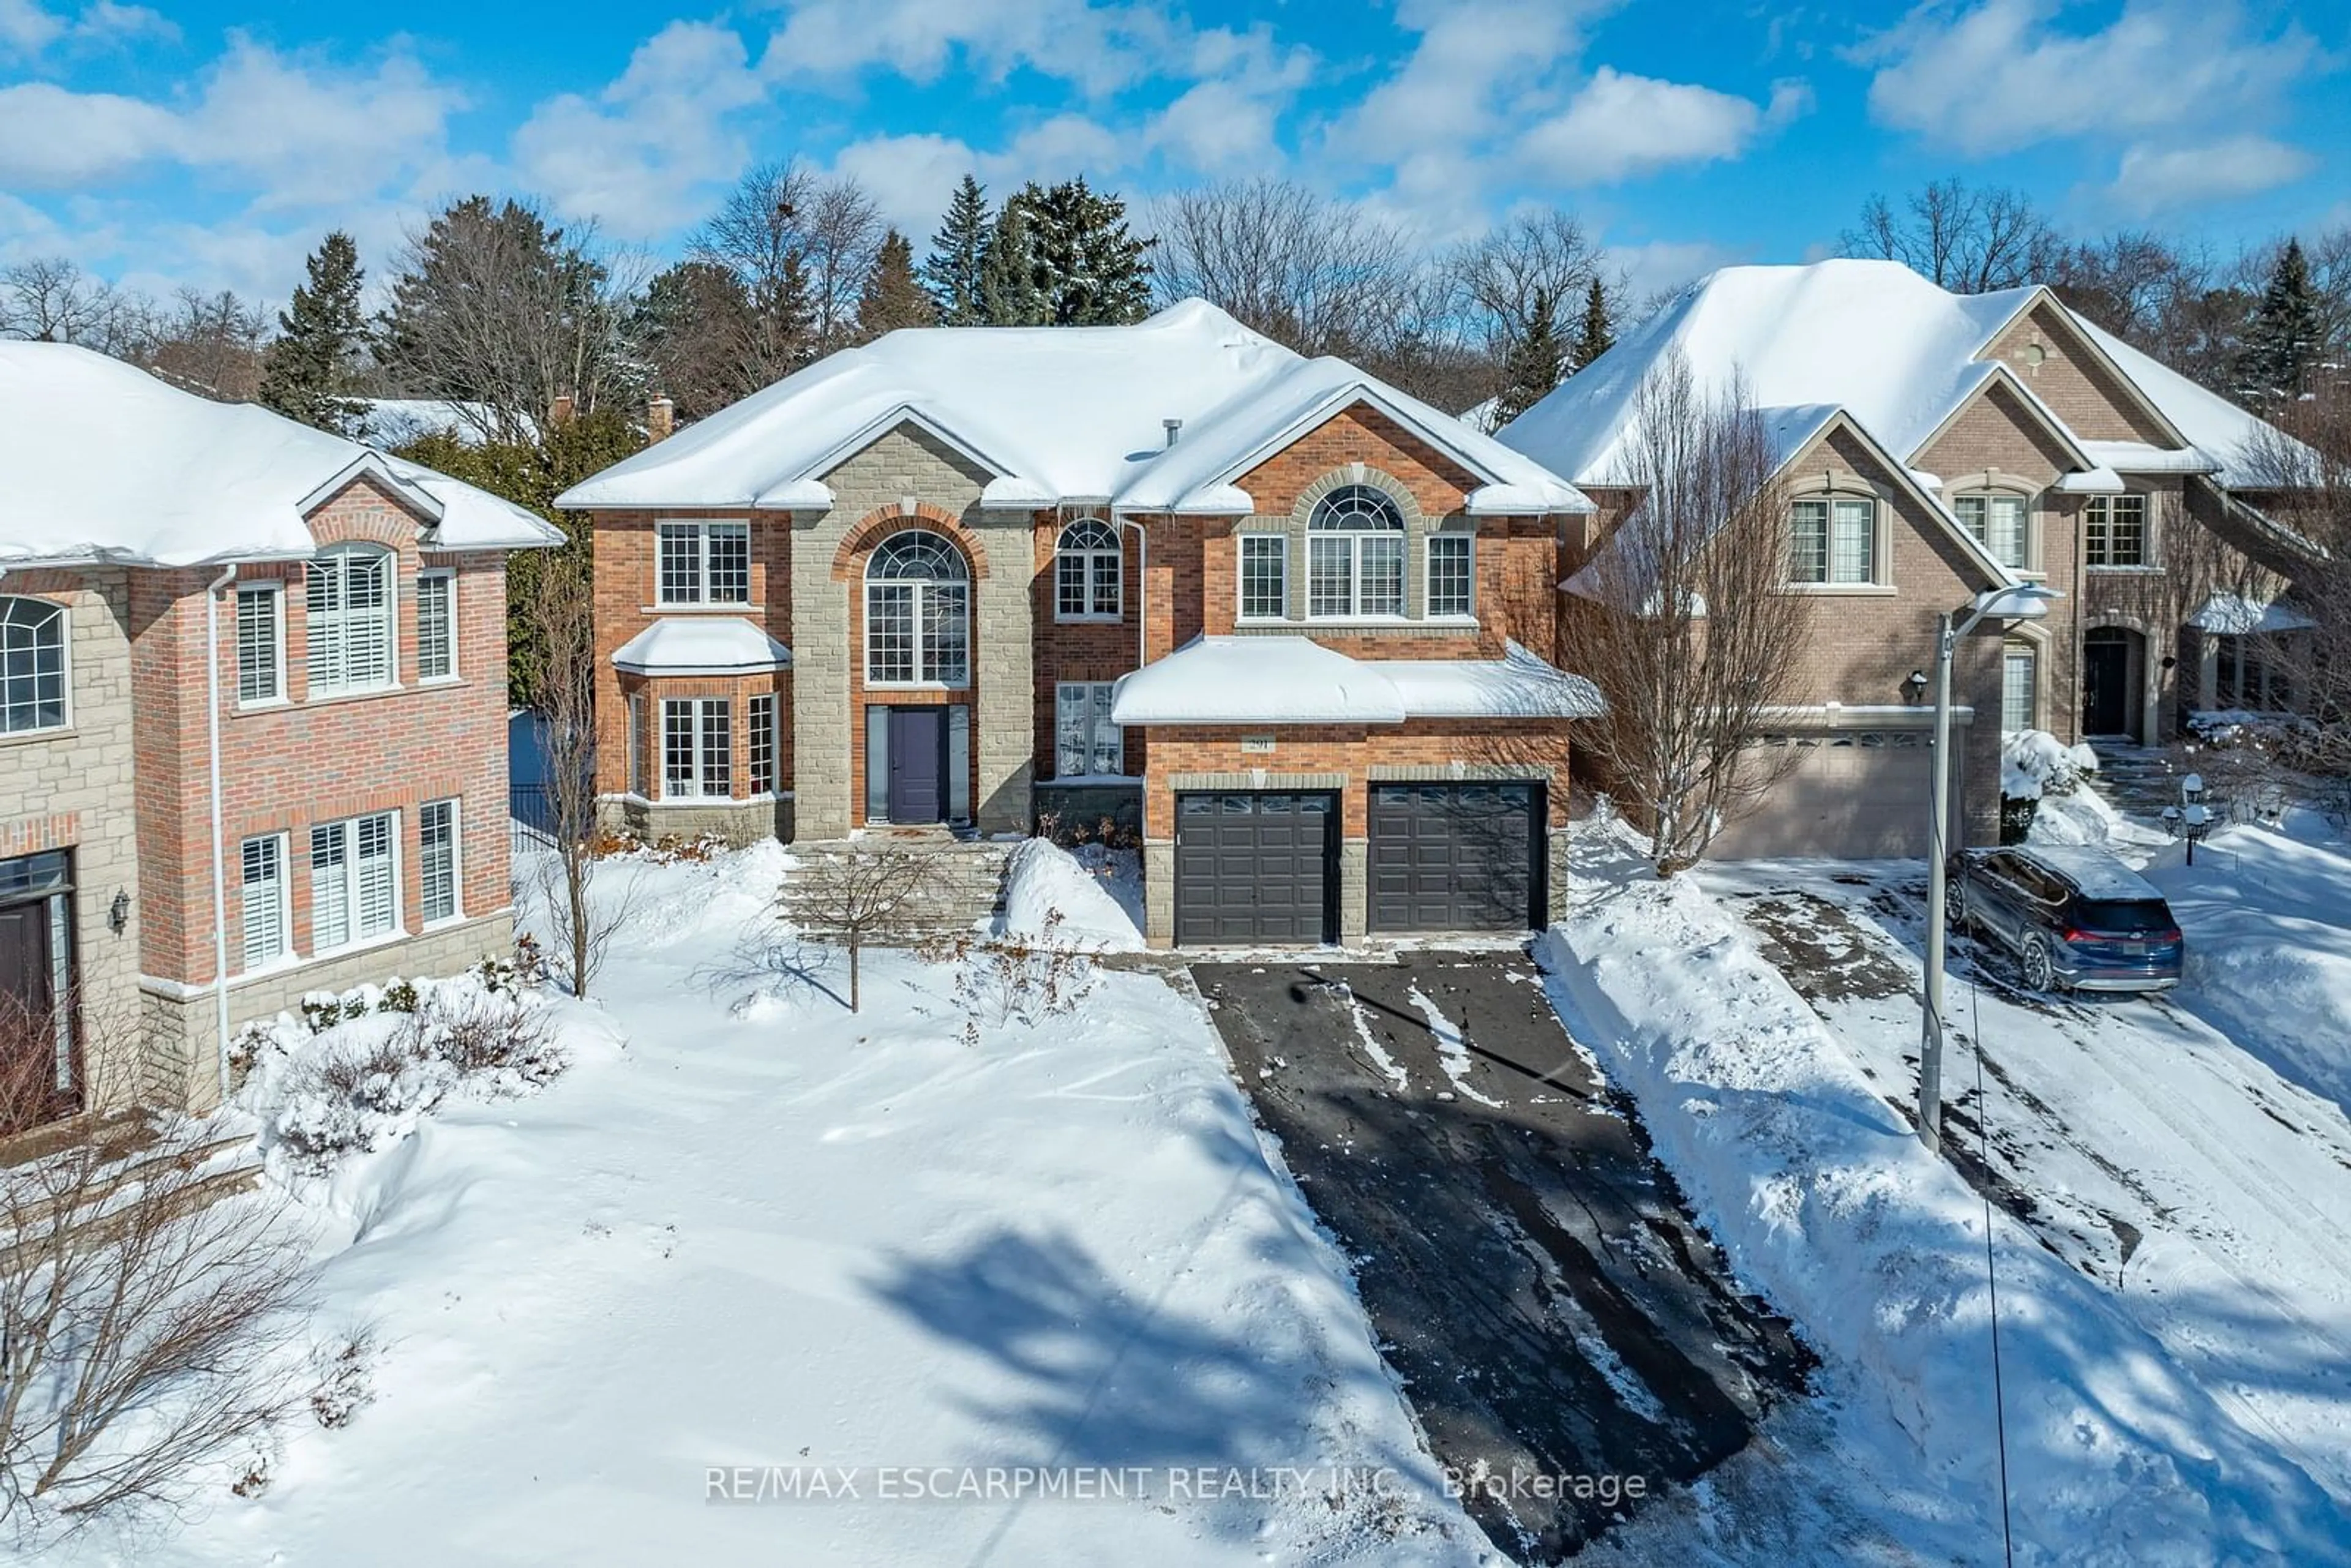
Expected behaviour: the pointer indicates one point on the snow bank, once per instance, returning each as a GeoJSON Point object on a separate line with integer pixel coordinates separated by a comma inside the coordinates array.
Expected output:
{"type": "Point", "coordinates": [1096, 891]}
{"type": "Point", "coordinates": [1823, 1197]}
{"type": "Point", "coordinates": [2035, 763]}
{"type": "Point", "coordinates": [2268, 922]}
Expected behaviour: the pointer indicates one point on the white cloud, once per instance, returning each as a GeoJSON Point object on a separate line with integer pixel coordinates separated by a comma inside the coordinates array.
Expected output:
{"type": "Point", "coordinates": [909, 177]}
{"type": "Point", "coordinates": [1659, 266]}
{"type": "Point", "coordinates": [27, 29]}
{"type": "Point", "coordinates": [2154, 179]}
{"type": "Point", "coordinates": [1100, 47]}
{"type": "Point", "coordinates": [2001, 76]}
{"type": "Point", "coordinates": [1619, 126]}
{"type": "Point", "coordinates": [1472, 66]}
{"type": "Point", "coordinates": [641, 155]}
{"type": "Point", "coordinates": [51, 136]}
{"type": "Point", "coordinates": [1226, 121]}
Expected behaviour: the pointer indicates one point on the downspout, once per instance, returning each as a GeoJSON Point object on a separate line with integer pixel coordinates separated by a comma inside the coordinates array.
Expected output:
{"type": "Point", "coordinates": [220, 873]}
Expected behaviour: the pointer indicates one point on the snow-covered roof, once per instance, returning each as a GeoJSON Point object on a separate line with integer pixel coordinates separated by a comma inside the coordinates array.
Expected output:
{"type": "Point", "coordinates": [1053, 414]}
{"type": "Point", "coordinates": [385, 423]}
{"type": "Point", "coordinates": [105, 463]}
{"type": "Point", "coordinates": [2236, 615]}
{"type": "Point", "coordinates": [2145, 458]}
{"type": "Point", "coordinates": [2217, 428]}
{"type": "Point", "coordinates": [701, 646]}
{"type": "Point", "coordinates": [2093, 871]}
{"type": "Point", "coordinates": [1295, 680]}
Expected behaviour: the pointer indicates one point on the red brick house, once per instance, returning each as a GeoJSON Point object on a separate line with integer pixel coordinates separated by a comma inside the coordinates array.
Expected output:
{"type": "Point", "coordinates": [1289, 621]}
{"type": "Point", "coordinates": [1937, 447]}
{"type": "Point", "coordinates": [251, 709]}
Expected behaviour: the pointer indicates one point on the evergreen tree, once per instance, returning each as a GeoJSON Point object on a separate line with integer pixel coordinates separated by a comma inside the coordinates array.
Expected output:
{"type": "Point", "coordinates": [1090, 269]}
{"type": "Point", "coordinates": [1596, 335]}
{"type": "Point", "coordinates": [953, 272]}
{"type": "Point", "coordinates": [2282, 341]}
{"type": "Point", "coordinates": [311, 367]}
{"type": "Point", "coordinates": [892, 297]}
{"type": "Point", "coordinates": [1009, 291]}
{"type": "Point", "coordinates": [1533, 366]}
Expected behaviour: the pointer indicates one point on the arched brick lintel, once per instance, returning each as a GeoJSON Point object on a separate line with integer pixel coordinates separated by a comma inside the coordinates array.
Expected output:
{"type": "Point", "coordinates": [849, 561]}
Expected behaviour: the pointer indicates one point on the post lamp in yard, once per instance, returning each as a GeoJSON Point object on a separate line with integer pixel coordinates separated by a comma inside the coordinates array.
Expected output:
{"type": "Point", "coordinates": [2191, 818]}
{"type": "Point", "coordinates": [2027, 601]}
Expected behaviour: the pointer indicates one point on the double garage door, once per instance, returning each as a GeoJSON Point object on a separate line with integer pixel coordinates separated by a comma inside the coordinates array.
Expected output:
{"type": "Point", "coordinates": [1847, 794]}
{"type": "Point", "coordinates": [1261, 866]}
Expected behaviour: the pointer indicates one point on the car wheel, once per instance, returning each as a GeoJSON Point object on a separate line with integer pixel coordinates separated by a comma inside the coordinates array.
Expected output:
{"type": "Point", "coordinates": [1955, 903]}
{"type": "Point", "coordinates": [2040, 968]}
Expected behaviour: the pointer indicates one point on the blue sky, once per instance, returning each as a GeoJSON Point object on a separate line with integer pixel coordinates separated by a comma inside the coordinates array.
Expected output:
{"type": "Point", "coordinates": [212, 143]}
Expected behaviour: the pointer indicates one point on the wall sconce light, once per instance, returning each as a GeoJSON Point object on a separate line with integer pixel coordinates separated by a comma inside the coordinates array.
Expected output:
{"type": "Point", "coordinates": [117, 913]}
{"type": "Point", "coordinates": [1914, 685]}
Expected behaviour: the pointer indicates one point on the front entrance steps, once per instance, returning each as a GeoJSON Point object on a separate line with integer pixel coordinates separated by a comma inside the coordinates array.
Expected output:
{"type": "Point", "coordinates": [2139, 781]}
{"type": "Point", "coordinates": [961, 880]}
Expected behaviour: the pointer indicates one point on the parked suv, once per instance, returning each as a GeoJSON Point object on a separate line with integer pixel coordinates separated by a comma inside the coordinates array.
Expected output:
{"type": "Point", "coordinates": [2076, 919]}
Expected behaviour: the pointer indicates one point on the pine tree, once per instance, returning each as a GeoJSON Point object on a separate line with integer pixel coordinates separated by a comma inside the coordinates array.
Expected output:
{"type": "Point", "coordinates": [2282, 341]}
{"type": "Point", "coordinates": [310, 369]}
{"type": "Point", "coordinates": [953, 272]}
{"type": "Point", "coordinates": [1009, 292]}
{"type": "Point", "coordinates": [1596, 336]}
{"type": "Point", "coordinates": [892, 298]}
{"type": "Point", "coordinates": [1091, 270]}
{"type": "Point", "coordinates": [1532, 368]}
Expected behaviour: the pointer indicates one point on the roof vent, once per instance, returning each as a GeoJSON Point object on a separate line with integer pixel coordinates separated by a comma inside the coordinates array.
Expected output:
{"type": "Point", "coordinates": [1175, 427]}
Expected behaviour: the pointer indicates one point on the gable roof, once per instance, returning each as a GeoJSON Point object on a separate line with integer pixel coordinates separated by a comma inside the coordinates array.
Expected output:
{"type": "Point", "coordinates": [1052, 413]}
{"type": "Point", "coordinates": [102, 462]}
{"type": "Point", "coordinates": [2223, 435]}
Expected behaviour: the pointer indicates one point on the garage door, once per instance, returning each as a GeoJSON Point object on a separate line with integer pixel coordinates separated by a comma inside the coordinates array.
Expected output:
{"type": "Point", "coordinates": [1455, 857]}
{"type": "Point", "coordinates": [1255, 866]}
{"type": "Point", "coordinates": [1850, 794]}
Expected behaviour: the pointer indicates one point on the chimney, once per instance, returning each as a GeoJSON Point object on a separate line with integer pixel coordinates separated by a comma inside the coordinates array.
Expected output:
{"type": "Point", "coordinates": [661, 419]}
{"type": "Point", "coordinates": [1174, 428]}
{"type": "Point", "coordinates": [560, 412]}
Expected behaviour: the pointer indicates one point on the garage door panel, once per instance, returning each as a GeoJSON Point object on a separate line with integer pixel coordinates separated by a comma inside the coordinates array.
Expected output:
{"type": "Point", "coordinates": [1852, 795]}
{"type": "Point", "coordinates": [1453, 857]}
{"type": "Point", "coordinates": [1252, 867]}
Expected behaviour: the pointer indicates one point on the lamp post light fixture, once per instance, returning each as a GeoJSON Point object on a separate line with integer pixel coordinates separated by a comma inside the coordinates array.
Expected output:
{"type": "Point", "coordinates": [1913, 686]}
{"type": "Point", "coordinates": [2027, 602]}
{"type": "Point", "coordinates": [2191, 820]}
{"type": "Point", "coordinates": [117, 913]}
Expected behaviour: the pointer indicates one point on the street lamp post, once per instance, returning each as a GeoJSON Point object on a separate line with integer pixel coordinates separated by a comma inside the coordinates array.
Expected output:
{"type": "Point", "coordinates": [2023, 603]}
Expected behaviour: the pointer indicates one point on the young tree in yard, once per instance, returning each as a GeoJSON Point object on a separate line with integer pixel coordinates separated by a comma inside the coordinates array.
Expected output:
{"type": "Point", "coordinates": [1596, 334]}
{"type": "Point", "coordinates": [857, 894]}
{"type": "Point", "coordinates": [149, 1306]}
{"type": "Point", "coordinates": [892, 296]}
{"type": "Point", "coordinates": [1532, 367]}
{"type": "Point", "coordinates": [562, 609]}
{"type": "Point", "coordinates": [954, 271]}
{"type": "Point", "coordinates": [2282, 341]}
{"type": "Point", "coordinates": [492, 305]}
{"type": "Point", "coordinates": [309, 371]}
{"type": "Point", "coordinates": [1684, 620]}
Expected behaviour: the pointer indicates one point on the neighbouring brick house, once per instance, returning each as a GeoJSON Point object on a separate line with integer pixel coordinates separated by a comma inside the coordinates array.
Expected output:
{"type": "Point", "coordinates": [1937, 447]}
{"type": "Point", "coordinates": [169, 565]}
{"type": "Point", "coordinates": [1291, 622]}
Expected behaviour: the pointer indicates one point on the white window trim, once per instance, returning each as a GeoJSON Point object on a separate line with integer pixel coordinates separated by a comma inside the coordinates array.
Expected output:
{"type": "Point", "coordinates": [444, 575]}
{"type": "Point", "coordinates": [2034, 650]}
{"type": "Point", "coordinates": [921, 682]}
{"type": "Point", "coordinates": [2149, 558]}
{"type": "Point", "coordinates": [1240, 579]}
{"type": "Point", "coordinates": [2030, 537]}
{"type": "Point", "coordinates": [312, 690]}
{"type": "Point", "coordinates": [1429, 577]}
{"type": "Point", "coordinates": [399, 927]}
{"type": "Point", "coordinates": [64, 672]}
{"type": "Point", "coordinates": [699, 709]}
{"type": "Point", "coordinates": [275, 593]}
{"type": "Point", "coordinates": [1060, 694]}
{"type": "Point", "coordinates": [285, 953]}
{"type": "Point", "coordinates": [775, 732]}
{"type": "Point", "coordinates": [1880, 581]}
{"type": "Point", "coordinates": [701, 527]}
{"type": "Point", "coordinates": [1353, 539]}
{"type": "Point", "coordinates": [1090, 557]}
{"type": "Point", "coordinates": [456, 862]}
{"type": "Point", "coordinates": [634, 713]}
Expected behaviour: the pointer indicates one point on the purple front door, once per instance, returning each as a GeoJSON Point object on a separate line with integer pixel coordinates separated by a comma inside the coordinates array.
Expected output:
{"type": "Point", "coordinates": [918, 764]}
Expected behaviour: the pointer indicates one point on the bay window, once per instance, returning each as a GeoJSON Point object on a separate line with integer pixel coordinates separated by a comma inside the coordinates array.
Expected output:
{"type": "Point", "coordinates": [698, 748]}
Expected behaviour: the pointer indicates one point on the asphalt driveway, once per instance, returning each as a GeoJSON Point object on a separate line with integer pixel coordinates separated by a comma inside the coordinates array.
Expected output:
{"type": "Point", "coordinates": [1528, 1265]}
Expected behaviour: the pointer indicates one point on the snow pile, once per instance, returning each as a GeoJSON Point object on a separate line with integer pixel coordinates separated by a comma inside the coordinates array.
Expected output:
{"type": "Point", "coordinates": [2035, 763]}
{"type": "Point", "coordinates": [1095, 891]}
{"type": "Point", "coordinates": [356, 1071]}
{"type": "Point", "coordinates": [1823, 1197]}
{"type": "Point", "coordinates": [2268, 922]}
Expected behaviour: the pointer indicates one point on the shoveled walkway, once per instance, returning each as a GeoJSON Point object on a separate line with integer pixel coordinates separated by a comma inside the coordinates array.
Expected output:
{"type": "Point", "coordinates": [1526, 1262]}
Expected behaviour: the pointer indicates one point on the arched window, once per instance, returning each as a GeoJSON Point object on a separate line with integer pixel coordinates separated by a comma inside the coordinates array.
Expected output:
{"type": "Point", "coordinates": [1354, 554]}
{"type": "Point", "coordinates": [349, 621]}
{"type": "Point", "coordinates": [917, 613]}
{"type": "Point", "coordinates": [2001, 522]}
{"type": "Point", "coordinates": [1086, 566]}
{"type": "Point", "coordinates": [32, 665]}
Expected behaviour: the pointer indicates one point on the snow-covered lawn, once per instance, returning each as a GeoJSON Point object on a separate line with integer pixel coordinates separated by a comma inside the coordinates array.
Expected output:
{"type": "Point", "coordinates": [747, 1229]}
{"type": "Point", "coordinates": [2175, 1302]}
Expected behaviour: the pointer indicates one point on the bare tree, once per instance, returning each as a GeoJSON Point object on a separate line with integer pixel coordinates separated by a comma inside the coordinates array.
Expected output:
{"type": "Point", "coordinates": [1971, 239]}
{"type": "Point", "coordinates": [802, 247]}
{"type": "Point", "coordinates": [49, 299]}
{"type": "Point", "coordinates": [2302, 481]}
{"type": "Point", "coordinates": [858, 893]}
{"type": "Point", "coordinates": [1531, 265]}
{"type": "Point", "coordinates": [210, 344]}
{"type": "Point", "coordinates": [583, 919]}
{"type": "Point", "coordinates": [147, 1306]}
{"type": "Point", "coordinates": [1316, 275]}
{"type": "Point", "coordinates": [1684, 620]}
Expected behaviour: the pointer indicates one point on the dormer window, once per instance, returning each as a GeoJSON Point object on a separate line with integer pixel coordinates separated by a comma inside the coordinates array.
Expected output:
{"type": "Point", "coordinates": [1354, 555]}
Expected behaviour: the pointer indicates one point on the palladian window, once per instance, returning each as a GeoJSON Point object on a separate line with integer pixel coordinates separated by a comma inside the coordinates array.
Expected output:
{"type": "Point", "coordinates": [1354, 555]}
{"type": "Point", "coordinates": [917, 613]}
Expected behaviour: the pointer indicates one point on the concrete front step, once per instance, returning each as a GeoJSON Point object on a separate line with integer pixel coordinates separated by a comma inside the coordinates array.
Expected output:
{"type": "Point", "coordinates": [963, 880]}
